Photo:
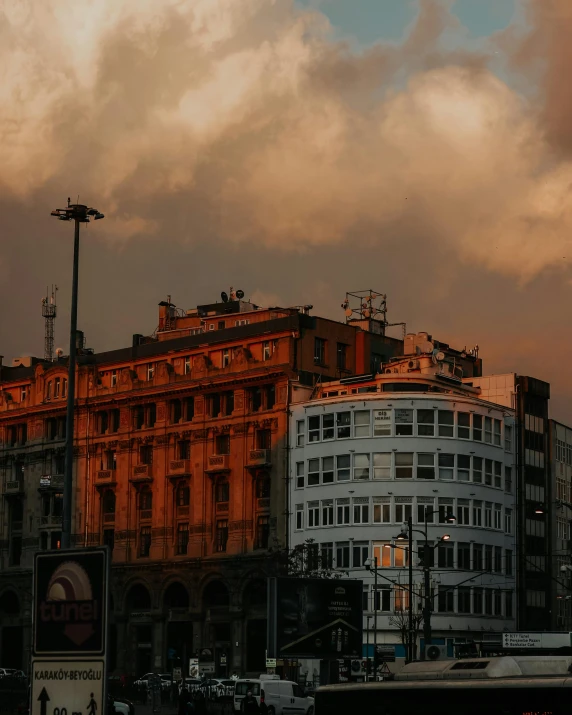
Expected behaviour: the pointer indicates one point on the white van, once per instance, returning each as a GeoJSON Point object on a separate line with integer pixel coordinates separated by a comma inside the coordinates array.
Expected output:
{"type": "Point", "coordinates": [282, 697]}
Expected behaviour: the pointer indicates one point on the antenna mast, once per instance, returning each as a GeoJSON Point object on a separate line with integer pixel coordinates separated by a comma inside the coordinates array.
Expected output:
{"type": "Point", "coordinates": [49, 312]}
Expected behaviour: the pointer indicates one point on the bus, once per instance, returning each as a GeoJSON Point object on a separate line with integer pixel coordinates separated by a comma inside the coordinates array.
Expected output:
{"type": "Point", "coordinates": [510, 685]}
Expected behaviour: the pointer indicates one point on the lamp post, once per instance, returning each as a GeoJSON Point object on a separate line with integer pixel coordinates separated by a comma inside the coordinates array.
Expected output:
{"type": "Point", "coordinates": [371, 565]}
{"type": "Point", "coordinates": [78, 213]}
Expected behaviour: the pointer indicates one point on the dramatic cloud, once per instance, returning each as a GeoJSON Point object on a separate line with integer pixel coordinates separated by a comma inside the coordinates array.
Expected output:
{"type": "Point", "coordinates": [250, 110]}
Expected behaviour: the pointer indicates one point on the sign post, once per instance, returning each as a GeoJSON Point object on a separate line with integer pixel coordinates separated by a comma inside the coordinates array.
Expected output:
{"type": "Point", "coordinates": [71, 591]}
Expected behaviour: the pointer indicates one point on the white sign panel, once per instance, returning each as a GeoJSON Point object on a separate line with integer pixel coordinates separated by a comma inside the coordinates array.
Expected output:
{"type": "Point", "coordinates": [381, 423]}
{"type": "Point", "coordinates": [270, 662]}
{"type": "Point", "coordinates": [521, 640]}
{"type": "Point", "coordinates": [74, 687]}
{"type": "Point", "coordinates": [193, 667]}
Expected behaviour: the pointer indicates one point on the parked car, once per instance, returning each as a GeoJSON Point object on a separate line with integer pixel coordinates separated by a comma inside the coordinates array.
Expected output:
{"type": "Point", "coordinates": [280, 696]}
{"type": "Point", "coordinates": [123, 706]}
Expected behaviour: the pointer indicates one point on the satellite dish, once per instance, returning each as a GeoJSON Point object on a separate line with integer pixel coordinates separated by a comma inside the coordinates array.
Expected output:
{"type": "Point", "coordinates": [427, 347]}
{"type": "Point", "coordinates": [440, 355]}
{"type": "Point", "coordinates": [240, 294]}
{"type": "Point", "coordinates": [59, 352]}
{"type": "Point", "coordinates": [224, 297]}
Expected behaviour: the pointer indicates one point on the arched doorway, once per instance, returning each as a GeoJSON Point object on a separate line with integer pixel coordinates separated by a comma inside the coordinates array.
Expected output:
{"type": "Point", "coordinates": [179, 631]}
{"type": "Point", "coordinates": [11, 631]}
{"type": "Point", "coordinates": [216, 603]}
{"type": "Point", "coordinates": [254, 599]}
{"type": "Point", "coordinates": [138, 609]}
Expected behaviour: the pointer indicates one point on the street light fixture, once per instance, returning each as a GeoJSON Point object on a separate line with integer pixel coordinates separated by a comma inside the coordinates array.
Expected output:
{"type": "Point", "coordinates": [78, 213]}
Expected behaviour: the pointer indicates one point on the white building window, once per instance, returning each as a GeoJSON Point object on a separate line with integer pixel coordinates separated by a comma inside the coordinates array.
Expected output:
{"type": "Point", "coordinates": [328, 512]}
{"type": "Point", "coordinates": [464, 425]}
{"type": "Point", "coordinates": [498, 516]}
{"type": "Point", "coordinates": [327, 470]}
{"type": "Point", "coordinates": [343, 511]}
{"type": "Point", "coordinates": [327, 427]}
{"type": "Point", "coordinates": [403, 512]}
{"type": "Point", "coordinates": [299, 517]}
{"type": "Point", "coordinates": [488, 514]}
{"type": "Point", "coordinates": [150, 371]}
{"type": "Point", "coordinates": [361, 466]}
{"type": "Point", "coordinates": [343, 467]}
{"type": "Point", "coordinates": [300, 433]}
{"type": "Point", "coordinates": [226, 357]}
{"type": "Point", "coordinates": [463, 467]}
{"type": "Point", "coordinates": [497, 432]}
{"type": "Point", "coordinates": [477, 513]}
{"type": "Point", "coordinates": [489, 472]}
{"type": "Point", "coordinates": [187, 368]}
{"type": "Point", "coordinates": [382, 513]}
{"type": "Point", "coordinates": [426, 423]}
{"type": "Point", "coordinates": [404, 422]}
{"type": "Point", "coordinates": [382, 465]}
{"type": "Point", "coordinates": [313, 472]}
{"type": "Point", "coordinates": [313, 514]}
{"type": "Point", "coordinates": [478, 470]}
{"type": "Point", "coordinates": [382, 423]}
{"type": "Point", "coordinates": [488, 430]}
{"type": "Point", "coordinates": [498, 475]}
{"type": "Point", "coordinates": [463, 513]}
{"type": "Point", "coordinates": [266, 350]}
{"type": "Point", "coordinates": [299, 475]}
{"type": "Point", "coordinates": [360, 554]}
{"type": "Point", "coordinates": [343, 555]}
{"type": "Point", "coordinates": [404, 465]}
{"type": "Point", "coordinates": [314, 428]}
{"type": "Point", "coordinates": [343, 424]}
{"type": "Point", "coordinates": [446, 419]}
{"type": "Point", "coordinates": [361, 511]}
{"type": "Point", "coordinates": [477, 428]}
{"type": "Point", "coordinates": [508, 521]}
{"type": "Point", "coordinates": [362, 420]}
{"type": "Point", "coordinates": [425, 466]}
{"type": "Point", "coordinates": [508, 438]}
{"type": "Point", "coordinates": [446, 466]}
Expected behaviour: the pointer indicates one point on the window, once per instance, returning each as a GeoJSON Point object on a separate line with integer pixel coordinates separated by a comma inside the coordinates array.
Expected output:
{"type": "Point", "coordinates": [183, 449]}
{"type": "Point", "coordinates": [426, 423]}
{"type": "Point", "coordinates": [150, 371]}
{"type": "Point", "coordinates": [488, 515]}
{"type": "Point", "coordinates": [343, 424]}
{"type": "Point", "coordinates": [343, 511]}
{"type": "Point", "coordinates": [263, 488]}
{"type": "Point", "coordinates": [183, 495]}
{"type": "Point", "coordinates": [343, 555]}
{"type": "Point", "coordinates": [299, 517]}
{"type": "Point", "coordinates": [498, 516]}
{"type": "Point", "coordinates": [327, 470]}
{"type": "Point", "coordinates": [343, 467]}
{"type": "Point", "coordinates": [446, 466]}
{"type": "Point", "coordinates": [497, 432]}
{"type": "Point", "coordinates": [508, 480]}
{"type": "Point", "coordinates": [299, 433]}
{"type": "Point", "coordinates": [498, 601]}
{"type": "Point", "coordinates": [382, 513]}
{"type": "Point", "coordinates": [262, 532]}
{"type": "Point", "coordinates": [403, 513]}
{"type": "Point", "coordinates": [213, 405]}
{"type": "Point", "coordinates": [361, 466]}
{"type": "Point", "coordinates": [299, 475]}
{"type": "Point", "coordinates": [508, 521]}
{"type": "Point", "coordinates": [341, 356]}
{"type": "Point", "coordinates": [64, 387]}
{"type": "Point", "coordinates": [145, 500]}
{"type": "Point", "coordinates": [187, 368]}
{"type": "Point", "coordinates": [425, 513]}
{"type": "Point", "coordinates": [477, 600]}
{"type": "Point", "coordinates": [361, 511]}
{"type": "Point", "coordinates": [101, 422]}
{"type": "Point", "coordinates": [314, 428]}
{"type": "Point", "coordinates": [222, 444]}
{"type": "Point", "coordinates": [57, 383]}
{"type": "Point", "coordinates": [327, 555]}
{"type": "Point", "coordinates": [478, 557]}
{"type": "Point", "coordinates": [328, 512]}
{"type": "Point", "coordinates": [478, 470]}
{"type": "Point", "coordinates": [508, 438]}
{"type": "Point", "coordinates": [108, 504]}
{"type": "Point", "coordinates": [319, 351]}
{"type": "Point", "coordinates": [382, 599]}
{"type": "Point", "coordinates": [266, 353]}
{"type": "Point", "coordinates": [498, 559]}
{"type": "Point", "coordinates": [445, 601]}
{"type": "Point", "coordinates": [382, 465]}
{"type": "Point", "coordinates": [425, 466]}
{"type": "Point", "coordinates": [24, 393]}
{"type": "Point", "coordinates": [463, 512]}
{"type": "Point", "coordinates": [382, 553]}
{"type": "Point", "coordinates": [508, 604]}
{"type": "Point", "coordinates": [445, 511]}
{"type": "Point", "coordinates": [497, 474]}
{"type": "Point", "coordinates": [400, 554]}
{"type": "Point", "coordinates": [269, 396]}
{"type": "Point", "coordinates": [488, 601]}
{"type": "Point", "coordinates": [382, 423]}
{"type": "Point", "coordinates": [404, 465]}
{"type": "Point", "coordinates": [446, 555]}
{"type": "Point", "coordinates": [401, 595]}
{"type": "Point", "coordinates": [144, 416]}
{"type": "Point", "coordinates": [489, 472]}
{"type": "Point", "coordinates": [361, 423]}
{"type": "Point", "coordinates": [110, 459]}
{"type": "Point", "coordinates": [313, 514]}
{"type": "Point", "coordinates": [477, 513]}
{"type": "Point", "coordinates": [488, 430]}
{"type": "Point", "coordinates": [446, 419]}
{"type": "Point", "coordinates": [222, 492]}
{"type": "Point", "coordinates": [114, 420]}
{"type": "Point", "coordinates": [228, 402]}
{"type": "Point", "coordinates": [49, 391]}
{"type": "Point", "coordinates": [508, 562]}
{"type": "Point", "coordinates": [189, 408]}
{"type": "Point", "coordinates": [464, 556]}
{"type": "Point", "coordinates": [360, 554]}
{"type": "Point", "coordinates": [463, 467]}
{"type": "Point", "coordinates": [175, 411]}
{"type": "Point", "coordinates": [221, 535]}
{"type": "Point", "coordinates": [403, 422]}
{"type": "Point", "coordinates": [464, 599]}
{"type": "Point", "coordinates": [313, 472]}
{"type": "Point", "coordinates": [477, 428]}
{"type": "Point", "coordinates": [182, 539]}
{"type": "Point", "coordinates": [144, 541]}
{"type": "Point", "coordinates": [146, 454]}
{"type": "Point", "coordinates": [430, 555]}
{"type": "Point", "coordinates": [488, 558]}
{"type": "Point", "coordinates": [464, 425]}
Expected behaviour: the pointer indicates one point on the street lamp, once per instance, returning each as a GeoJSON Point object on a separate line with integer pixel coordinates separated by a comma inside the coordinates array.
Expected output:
{"type": "Point", "coordinates": [371, 564]}
{"type": "Point", "coordinates": [78, 213]}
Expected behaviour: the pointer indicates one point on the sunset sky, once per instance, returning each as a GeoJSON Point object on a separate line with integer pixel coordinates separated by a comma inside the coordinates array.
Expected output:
{"type": "Point", "coordinates": [296, 150]}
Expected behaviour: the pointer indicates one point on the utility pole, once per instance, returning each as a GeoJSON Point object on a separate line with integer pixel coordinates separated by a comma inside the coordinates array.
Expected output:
{"type": "Point", "coordinates": [78, 213]}
{"type": "Point", "coordinates": [410, 640]}
{"type": "Point", "coordinates": [375, 604]}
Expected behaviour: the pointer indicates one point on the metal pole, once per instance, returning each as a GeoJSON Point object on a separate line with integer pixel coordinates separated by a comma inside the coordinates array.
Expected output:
{"type": "Point", "coordinates": [68, 467]}
{"type": "Point", "coordinates": [367, 648]}
{"type": "Point", "coordinates": [410, 614]}
{"type": "Point", "coordinates": [375, 616]}
{"type": "Point", "coordinates": [427, 587]}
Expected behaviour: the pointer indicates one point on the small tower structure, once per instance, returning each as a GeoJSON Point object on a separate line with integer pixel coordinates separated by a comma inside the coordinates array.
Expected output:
{"type": "Point", "coordinates": [49, 312]}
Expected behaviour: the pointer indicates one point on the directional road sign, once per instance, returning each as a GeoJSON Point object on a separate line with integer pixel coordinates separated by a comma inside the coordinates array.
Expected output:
{"type": "Point", "coordinates": [68, 687]}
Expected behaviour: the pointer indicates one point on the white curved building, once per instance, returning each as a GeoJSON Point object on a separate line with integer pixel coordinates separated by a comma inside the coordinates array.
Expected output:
{"type": "Point", "coordinates": [368, 454]}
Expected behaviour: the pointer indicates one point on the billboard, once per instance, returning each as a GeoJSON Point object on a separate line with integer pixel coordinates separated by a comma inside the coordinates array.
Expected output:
{"type": "Point", "coordinates": [315, 618]}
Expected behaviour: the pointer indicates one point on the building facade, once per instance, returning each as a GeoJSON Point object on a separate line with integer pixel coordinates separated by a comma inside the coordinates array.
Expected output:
{"type": "Point", "coordinates": [412, 442]}
{"type": "Point", "coordinates": [181, 451]}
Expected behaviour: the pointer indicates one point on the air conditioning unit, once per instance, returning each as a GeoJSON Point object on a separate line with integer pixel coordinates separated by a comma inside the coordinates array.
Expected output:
{"type": "Point", "coordinates": [436, 652]}
{"type": "Point", "coordinates": [413, 364]}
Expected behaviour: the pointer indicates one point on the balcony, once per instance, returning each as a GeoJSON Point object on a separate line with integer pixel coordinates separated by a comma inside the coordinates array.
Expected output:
{"type": "Point", "coordinates": [222, 507]}
{"type": "Point", "coordinates": [14, 486]}
{"type": "Point", "coordinates": [50, 520]}
{"type": "Point", "coordinates": [263, 503]}
{"type": "Point", "coordinates": [142, 473]}
{"type": "Point", "coordinates": [105, 476]}
{"type": "Point", "coordinates": [218, 463]}
{"type": "Point", "coordinates": [179, 468]}
{"type": "Point", "coordinates": [259, 458]}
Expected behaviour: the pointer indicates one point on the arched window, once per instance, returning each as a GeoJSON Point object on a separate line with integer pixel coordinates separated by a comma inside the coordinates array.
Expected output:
{"type": "Point", "coordinates": [145, 499]}
{"type": "Point", "coordinates": [183, 495]}
{"type": "Point", "coordinates": [108, 502]}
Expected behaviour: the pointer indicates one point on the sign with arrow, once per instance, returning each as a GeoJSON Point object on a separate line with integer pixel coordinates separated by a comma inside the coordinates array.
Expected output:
{"type": "Point", "coordinates": [67, 687]}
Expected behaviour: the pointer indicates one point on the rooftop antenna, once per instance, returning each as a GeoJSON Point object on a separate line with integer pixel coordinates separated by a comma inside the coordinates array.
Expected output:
{"type": "Point", "coordinates": [49, 312]}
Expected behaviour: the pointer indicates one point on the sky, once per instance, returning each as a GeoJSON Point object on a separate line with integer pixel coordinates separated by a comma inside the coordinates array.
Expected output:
{"type": "Point", "coordinates": [296, 149]}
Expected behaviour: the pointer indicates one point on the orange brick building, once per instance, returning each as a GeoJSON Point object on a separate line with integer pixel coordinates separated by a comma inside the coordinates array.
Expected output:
{"type": "Point", "coordinates": [182, 448]}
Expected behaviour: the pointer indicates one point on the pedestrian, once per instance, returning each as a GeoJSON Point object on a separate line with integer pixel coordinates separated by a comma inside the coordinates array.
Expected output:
{"type": "Point", "coordinates": [184, 698]}
{"type": "Point", "coordinates": [249, 704]}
